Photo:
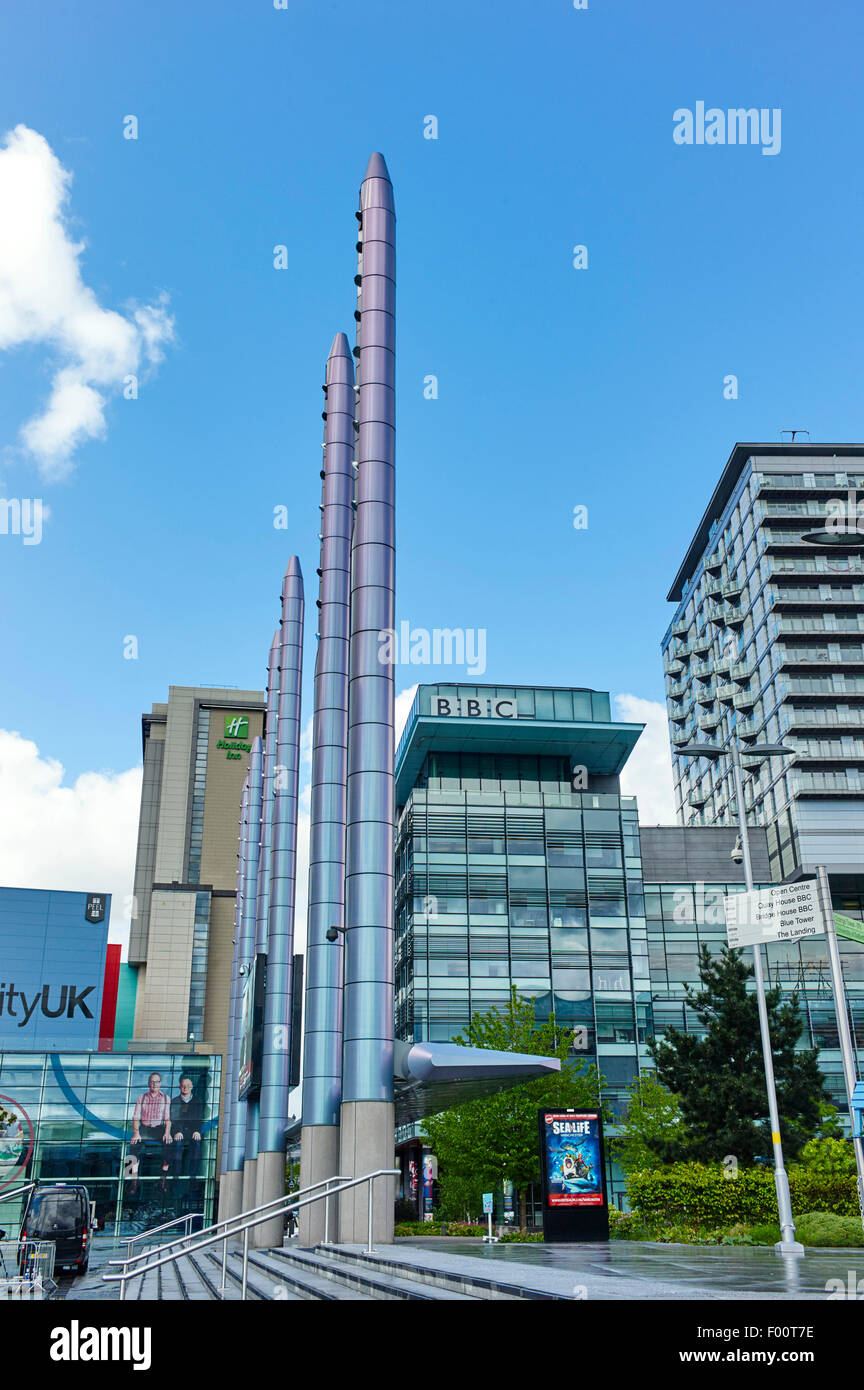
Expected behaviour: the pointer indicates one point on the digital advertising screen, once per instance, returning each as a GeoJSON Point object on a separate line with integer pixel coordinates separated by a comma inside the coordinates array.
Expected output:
{"type": "Point", "coordinates": [575, 1175]}
{"type": "Point", "coordinates": [573, 1169]}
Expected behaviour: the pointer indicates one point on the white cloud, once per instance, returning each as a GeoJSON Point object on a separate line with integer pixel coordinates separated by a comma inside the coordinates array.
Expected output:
{"type": "Point", "coordinates": [80, 838]}
{"type": "Point", "coordinates": [648, 771]}
{"type": "Point", "coordinates": [402, 708]}
{"type": "Point", "coordinates": [44, 300]}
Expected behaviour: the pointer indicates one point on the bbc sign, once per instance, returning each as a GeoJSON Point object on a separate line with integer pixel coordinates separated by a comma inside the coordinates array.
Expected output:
{"type": "Point", "coordinates": [470, 708]}
{"type": "Point", "coordinates": [52, 968]}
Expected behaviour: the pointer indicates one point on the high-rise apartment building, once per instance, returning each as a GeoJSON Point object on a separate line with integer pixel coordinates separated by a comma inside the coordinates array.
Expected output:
{"type": "Point", "coordinates": [767, 641]}
{"type": "Point", "coordinates": [196, 755]}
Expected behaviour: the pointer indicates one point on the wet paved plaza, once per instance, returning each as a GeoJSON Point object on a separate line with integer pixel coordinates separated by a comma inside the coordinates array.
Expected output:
{"type": "Point", "coordinates": [650, 1270]}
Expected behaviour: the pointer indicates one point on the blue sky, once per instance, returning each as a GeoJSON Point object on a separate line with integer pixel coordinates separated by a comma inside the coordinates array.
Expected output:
{"type": "Point", "coordinates": [557, 386]}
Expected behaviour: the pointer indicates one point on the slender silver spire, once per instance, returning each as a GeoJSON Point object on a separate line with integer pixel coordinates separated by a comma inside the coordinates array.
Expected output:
{"type": "Point", "coordinates": [367, 1068]}
{"type": "Point", "coordinates": [276, 1054]}
{"type": "Point", "coordinates": [322, 1053]}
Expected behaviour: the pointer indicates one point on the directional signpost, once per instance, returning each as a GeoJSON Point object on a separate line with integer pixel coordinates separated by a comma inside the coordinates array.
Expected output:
{"type": "Point", "coordinates": [488, 1198]}
{"type": "Point", "coordinates": [787, 912]}
{"type": "Point", "coordinates": [848, 927]}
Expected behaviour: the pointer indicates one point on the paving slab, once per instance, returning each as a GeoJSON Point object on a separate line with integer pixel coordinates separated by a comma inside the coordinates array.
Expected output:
{"type": "Point", "coordinates": [624, 1269]}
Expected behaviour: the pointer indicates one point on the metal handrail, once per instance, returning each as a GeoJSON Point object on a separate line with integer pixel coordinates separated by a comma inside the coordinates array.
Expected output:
{"type": "Point", "coordinates": [16, 1191]}
{"type": "Point", "coordinates": [145, 1235]}
{"type": "Point", "coordinates": [229, 1220]}
{"type": "Point", "coordinates": [290, 1203]}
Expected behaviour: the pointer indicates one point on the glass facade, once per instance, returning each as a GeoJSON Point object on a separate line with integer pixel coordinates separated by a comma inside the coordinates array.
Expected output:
{"type": "Point", "coordinates": [507, 876]}
{"type": "Point", "coordinates": [768, 641]}
{"type": "Point", "coordinates": [75, 1117]}
{"type": "Point", "coordinates": [682, 917]}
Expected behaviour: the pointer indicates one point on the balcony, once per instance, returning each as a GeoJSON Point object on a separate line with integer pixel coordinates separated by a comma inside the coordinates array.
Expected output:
{"type": "Point", "coordinates": [705, 694]}
{"type": "Point", "coordinates": [802, 656]}
{"type": "Point", "coordinates": [825, 685]}
{"type": "Point", "coordinates": [697, 799]}
{"type": "Point", "coordinates": [708, 722]}
{"type": "Point", "coordinates": [735, 617]}
{"type": "Point", "coordinates": [748, 728]}
{"type": "Point", "coordinates": [702, 670]}
{"type": "Point", "coordinates": [723, 664]}
{"type": "Point", "coordinates": [848, 783]}
{"type": "Point", "coordinates": [726, 692]}
{"type": "Point", "coordinates": [713, 585]}
{"type": "Point", "coordinates": [814, 627]}
{"type": "Point", "coordinates": [791, 510]}
{"type": "Point", "coordinates": [701, 644]}
{"type": "Point", "coordinates": [678, 690]}
{"type": "Point", "coordinates": [715, 613]}
{"type": "Point", "coordinates": [776, 538]}
{"type": "Point", "coordinates": [822, 751]}
{"type": "Point", "coordinates": [805, 596]}
{"type": "Point", "coordinates": [823, 482]}
{"type": "Point", "coordinates": [804, 565]}
{"type": "Point", "coordinates": [681, 650]}
{"type": "Point", "coordinates": [671, 665]}
{"type": "Point", "coordinates": [681, 736]}
{"type": "Point", "coordinates": [745, 699]}
{"type": "Point", "coordinates": [833, 654]}
{"type": "Point", "coordinates": [714, 563]}
{"type": "Point", "coordinates": [732, 589]}
{"type": "Point", "coordinates": [815, 718]}
{"type": "Point", "coordinates": [742, 670]}
{"type": "Point", "coordinates": [680, 629]}
{"type": "Point", "coordinates": [679, 714]}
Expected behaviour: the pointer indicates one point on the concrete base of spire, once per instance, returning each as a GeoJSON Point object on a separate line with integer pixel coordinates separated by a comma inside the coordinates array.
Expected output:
{"type": "Point", "coordinates": [367, 1144]}
{"type": "Point", "coordinates": [250, 1178]}
{"type": "Point", "coordinates": [230, 1193]}
{"type": "Point", "coordinates": [271, 1184]}
{"type": "Point", "coordinates": [319, 1159]}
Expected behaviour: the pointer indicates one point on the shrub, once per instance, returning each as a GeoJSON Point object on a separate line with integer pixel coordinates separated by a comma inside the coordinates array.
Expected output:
{"type": "Point", "coordinates": [699, 1195]}
{"type": "Point", "coordinates": [521, 1237]}
{"type": "Point", "coordinates": [828, 1156]}
{"type": "Point", "coordinates": [827, 1228]}
{"type": "Point", "coordinates": [766, 1233]}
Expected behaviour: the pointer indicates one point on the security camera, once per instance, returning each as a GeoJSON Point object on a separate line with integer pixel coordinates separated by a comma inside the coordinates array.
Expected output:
{"type": "Point", "coordinates": [332, 933]}
{"type": "Point", "coordinates": [737, 852]}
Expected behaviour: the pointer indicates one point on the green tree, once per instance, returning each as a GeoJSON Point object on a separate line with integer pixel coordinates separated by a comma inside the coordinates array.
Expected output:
{"type": "Point", "coordinates": [719, 1077]}
{"type": "Point", "coordinates": [496, 1137]}
{"type": "Point", "coordinates": [832, 1156]}
{"type": "Point", "coordinates": [653, 1119]}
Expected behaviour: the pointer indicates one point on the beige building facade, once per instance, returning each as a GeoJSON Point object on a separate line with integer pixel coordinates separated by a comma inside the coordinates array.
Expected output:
{"type": "Point", "coordinates": [196, 756]}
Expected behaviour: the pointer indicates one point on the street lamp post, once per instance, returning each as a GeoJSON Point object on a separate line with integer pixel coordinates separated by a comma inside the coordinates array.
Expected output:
{"type": "Point", "coordinates": [847, 1051]}
{"type": "Point", "coordinates": [787, 1245]}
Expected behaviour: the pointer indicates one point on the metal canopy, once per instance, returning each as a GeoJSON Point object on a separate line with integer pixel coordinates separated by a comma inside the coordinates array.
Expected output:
{"type": "Point", "coordinates": [603, 748]}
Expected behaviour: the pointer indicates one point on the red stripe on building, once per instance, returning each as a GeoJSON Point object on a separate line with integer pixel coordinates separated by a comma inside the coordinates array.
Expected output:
{"type": "Point", "coordinates": [110, 990]}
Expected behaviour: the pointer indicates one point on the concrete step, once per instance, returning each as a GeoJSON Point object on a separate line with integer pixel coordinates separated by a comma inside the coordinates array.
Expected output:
{"type": "Point", "coordinates": [290, 1278]}
{"type": "Point", "coordinates": [456, 1282]}
{"type": "Point", "coordinates": [358, 1280]}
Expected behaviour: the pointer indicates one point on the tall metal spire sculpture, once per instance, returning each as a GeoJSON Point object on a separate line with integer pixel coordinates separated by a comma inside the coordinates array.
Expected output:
{"type": "Point", "coordinates": [322, 1056]}
{"type": "Point", "coordinates": [367, 1123]}
{"type": "Point", "coordinates": [276, 1053]}
{"type": "Point", "coordinates": [250, 900]}
{"type": "Point", "coordinates": [234, 1118]}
